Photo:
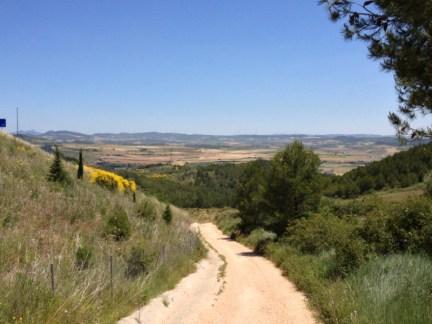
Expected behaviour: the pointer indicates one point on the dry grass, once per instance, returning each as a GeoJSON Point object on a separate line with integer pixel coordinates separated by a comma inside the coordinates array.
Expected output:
{"type": "Point", "coordinates": [43, 223]}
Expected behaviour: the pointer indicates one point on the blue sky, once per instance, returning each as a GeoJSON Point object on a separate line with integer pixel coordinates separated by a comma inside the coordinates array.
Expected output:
{"type": "Point", "coordinates": [196, 66]}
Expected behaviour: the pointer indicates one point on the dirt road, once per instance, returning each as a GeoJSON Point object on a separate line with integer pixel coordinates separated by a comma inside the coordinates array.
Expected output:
{"type": "Point", "coordinates": [231, 286]}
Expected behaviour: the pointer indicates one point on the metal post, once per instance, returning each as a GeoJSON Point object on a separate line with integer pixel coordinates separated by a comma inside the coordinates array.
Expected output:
{"type": "Point", "coordinates": [52, 278]}
{"type": "Point", "coordinates": [111, 277]}
{"type": "Point", "coordinates": [17, 121]}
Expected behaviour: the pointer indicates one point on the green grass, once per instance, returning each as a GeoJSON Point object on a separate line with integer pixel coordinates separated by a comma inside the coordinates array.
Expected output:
{"type": "Point", "coordinates": [43, 223]}
{"type": "Point", "coordinates": [391, 195]}
{"type": "Point", "coordinates": [393, 289]}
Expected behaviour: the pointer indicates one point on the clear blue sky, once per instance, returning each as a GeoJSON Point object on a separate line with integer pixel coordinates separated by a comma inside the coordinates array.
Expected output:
{"type": "Point", "coordinates": [194, 66]}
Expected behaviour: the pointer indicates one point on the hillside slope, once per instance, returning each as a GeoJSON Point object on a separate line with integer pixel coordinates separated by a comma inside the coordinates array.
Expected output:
{"type": "Point", "coordinates": [71, 226]}
{"type": "Point", "coordinates": [400, 170]}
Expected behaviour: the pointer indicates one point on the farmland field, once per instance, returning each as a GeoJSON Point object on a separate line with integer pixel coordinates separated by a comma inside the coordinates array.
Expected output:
{"type": "Point", "coordinates": [336, 160]}
{"type": "Point", "coordinates": [338, 153]}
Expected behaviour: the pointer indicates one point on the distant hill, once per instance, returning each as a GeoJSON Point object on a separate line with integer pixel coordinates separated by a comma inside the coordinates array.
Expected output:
{"type": "Point", "coordinates": [156, 138]}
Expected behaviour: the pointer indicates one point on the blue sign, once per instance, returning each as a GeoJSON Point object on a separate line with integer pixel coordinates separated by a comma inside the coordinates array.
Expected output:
{"type": "Point", "coordinates": [2, 122]}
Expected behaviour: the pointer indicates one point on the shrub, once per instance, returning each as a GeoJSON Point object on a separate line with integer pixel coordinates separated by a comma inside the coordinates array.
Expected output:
{"type": "Point", "coordinates": [83, 256]}
{"type": "Point", "coordinates": [111, 180]}
{"type": "Point", "coordinates": [428, 187]}
{"type": "Point", "coordinates": [411, 225]}
{"type": "Point", "coordinates": [117, 225]}
{"type": "Point", "coordinates": [138, 262]}
{"type": "Point", "coordinates": [229, 224]}
{"type": "Point", "coordinates": [167, 215]}
{"type": "Point", "coordinates": [145, 209]}
{"type": "Point", "coordinates": [259, 239]}
{"type": "Point", "coordinates": [318, 233]}
{"type": "Point", "coordinates": [375, 232]}
{"type": "Point", "coordinates": [350, 255]}
{"type": "Point", "coordinates": [355, 208]}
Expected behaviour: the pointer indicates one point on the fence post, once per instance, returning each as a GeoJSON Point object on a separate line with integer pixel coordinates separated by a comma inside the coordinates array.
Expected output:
{"type": "Point", "coordinates": [52, 278]}
{"type": "Point", "coordinates": [111, 277]}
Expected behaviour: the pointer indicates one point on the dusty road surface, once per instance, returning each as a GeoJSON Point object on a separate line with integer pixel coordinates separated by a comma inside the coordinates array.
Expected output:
{"type": "Point", "coordinates": [231, 286]}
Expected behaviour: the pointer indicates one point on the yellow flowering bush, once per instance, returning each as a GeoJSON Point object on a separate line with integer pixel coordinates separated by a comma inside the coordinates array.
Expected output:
{"type": "Point", "coordinates": [110, 180]}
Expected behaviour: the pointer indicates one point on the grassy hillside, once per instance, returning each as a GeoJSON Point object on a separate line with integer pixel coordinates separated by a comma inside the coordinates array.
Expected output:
{"type": "Point", "coordinates": [70, 227]}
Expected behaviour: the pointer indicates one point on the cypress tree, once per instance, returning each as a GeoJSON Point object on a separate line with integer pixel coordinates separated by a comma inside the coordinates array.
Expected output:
{"type": "Point", "coordinates": [80, 173]}
{"type": "Point", "coordinates": [167, 215]}
{"type": "Point", "coordinates": [56, 172]}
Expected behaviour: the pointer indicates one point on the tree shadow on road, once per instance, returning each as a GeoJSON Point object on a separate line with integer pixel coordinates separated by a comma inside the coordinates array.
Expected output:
{"type": "Point", "coordinates": [248, 254]}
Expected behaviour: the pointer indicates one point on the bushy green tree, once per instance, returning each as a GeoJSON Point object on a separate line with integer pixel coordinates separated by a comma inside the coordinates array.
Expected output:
{"type": "Point", "coordinates": [410, 225]}
{"type": "Point", "coordinates": [250, 195]}
{"type": "Point", "coordinates": [80, 172]}
{"type": "Point", "coordinates": [288, 189]}
{"type": "Point", "coordinates": [293, 186]}
{"type": "Point", "coordinates": [167, 215]}
{"type": "Point", "coordinates": [56, 172]}
{"type": "Point", "coordinates": [399, 35]}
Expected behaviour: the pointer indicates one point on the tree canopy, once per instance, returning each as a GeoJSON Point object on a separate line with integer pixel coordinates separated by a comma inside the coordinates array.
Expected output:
{"type": "Point", "coordinates": [399, 35]}
{"type": "Point", "coordinates": [271, 196]}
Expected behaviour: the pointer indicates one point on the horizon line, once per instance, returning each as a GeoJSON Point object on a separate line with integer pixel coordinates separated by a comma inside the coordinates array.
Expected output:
{"type": "Point", "coordinates": [202, 134]}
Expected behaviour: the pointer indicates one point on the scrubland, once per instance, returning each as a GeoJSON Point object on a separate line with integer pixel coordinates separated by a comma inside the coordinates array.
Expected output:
{"type": "Point", "coordinates": [77, 228]}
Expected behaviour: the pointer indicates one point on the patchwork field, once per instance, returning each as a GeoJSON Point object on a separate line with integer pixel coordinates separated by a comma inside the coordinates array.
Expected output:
{"type": "Point", "coordinates": [337, 160]}
{"type": "Point", "coordinates": [339, 153]}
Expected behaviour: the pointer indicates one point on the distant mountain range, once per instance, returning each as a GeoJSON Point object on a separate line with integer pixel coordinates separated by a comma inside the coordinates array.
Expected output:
{"type": "Point", "coordinates": [156, 138]}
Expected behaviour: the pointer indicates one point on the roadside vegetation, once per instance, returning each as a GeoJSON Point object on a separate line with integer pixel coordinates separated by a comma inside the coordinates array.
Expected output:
{"type": "Point", "coordinates": [51, 220]}
{"type": "Point", "coordinates": [365, 260]}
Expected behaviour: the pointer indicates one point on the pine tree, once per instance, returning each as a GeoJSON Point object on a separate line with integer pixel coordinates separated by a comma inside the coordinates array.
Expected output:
{"type": "Point", "coordinates": [80, 173]}
{"type": "Point", "coordinates": [167, 215]}
{"type": "Point", "coordinates": [56, 172]}
{"type": "Point", "coordinates": [399, 35]}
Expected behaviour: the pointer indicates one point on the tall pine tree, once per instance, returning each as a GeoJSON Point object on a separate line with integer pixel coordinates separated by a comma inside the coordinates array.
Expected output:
{"type": "Point", "coordinates": [57, 172]}
{"type": "Point", "coordinates": [80, 173]}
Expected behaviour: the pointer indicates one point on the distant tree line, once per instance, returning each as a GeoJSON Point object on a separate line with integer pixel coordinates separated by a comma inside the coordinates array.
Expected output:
{"type": "Point", "coordinates": [190, 186]}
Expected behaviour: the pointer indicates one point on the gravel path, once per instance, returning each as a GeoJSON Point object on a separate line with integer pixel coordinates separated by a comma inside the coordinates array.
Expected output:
{"type": "Point", "coordinates": [230, 286]}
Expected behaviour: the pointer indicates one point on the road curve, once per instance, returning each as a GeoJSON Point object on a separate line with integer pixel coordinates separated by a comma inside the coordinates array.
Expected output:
{"type": "Point", "coordinates": [250, 290]}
